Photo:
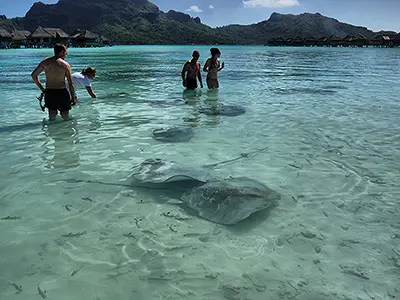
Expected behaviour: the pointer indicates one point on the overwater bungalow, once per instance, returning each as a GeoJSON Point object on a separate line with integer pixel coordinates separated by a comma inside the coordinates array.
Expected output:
{"type": "Point", "coordinates": [322, 41]}
{"type": "Point", "coordinates": [58, 35]}
{"type": "Point", "coordinates": [396, 40]}
{"type": "Point", "coordinates": [310, 41]}
{"type": "Point", "coordinates": [334, 41]}
{"type": "Point", "coordinates": [276, 42]}
{"type": "Point", "coordinates": [19, 38]}
{"type": "Point", "coordinates": [84, 38]}
{"type": "Point", "coordinates": [46, 37]}
{"type": "Point", "coordinates": [382, 40]}
{"type": "Point", "coordinates": [360, 40]}
{"type": "Point", "coordinates": [5, 38]}
{"type": "Point", "coordinates": [354, 41]}
{"type": "Point", "coordinates": [40, 38]}
{"type": "Point", "coordinates": [297, 41]}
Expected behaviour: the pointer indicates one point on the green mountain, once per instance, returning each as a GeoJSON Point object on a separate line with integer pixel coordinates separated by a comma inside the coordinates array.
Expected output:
{"type": "Point", "coordinates": [142, 22]}
{"type": "Point", "coordinates": [290, 26]}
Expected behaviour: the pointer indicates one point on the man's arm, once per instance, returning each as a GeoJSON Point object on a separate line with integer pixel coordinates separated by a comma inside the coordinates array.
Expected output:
{"type": "Point", "coordinates": [199, 75]}
{"type": "Point", "coordinates": [206, 65]}
{"type": "Point", "coordinates": [90, 91]}
{"type": "Point", "coordinates": [185, 67]}
{"type": "Point", "coordinates": [35, 76]}
{"type": "Point", "coordinates": [70, 83]}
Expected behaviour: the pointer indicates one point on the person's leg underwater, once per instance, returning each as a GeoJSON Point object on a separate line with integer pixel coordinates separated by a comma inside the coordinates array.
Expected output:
{"type": "Point", "coordinates": [52, 114]}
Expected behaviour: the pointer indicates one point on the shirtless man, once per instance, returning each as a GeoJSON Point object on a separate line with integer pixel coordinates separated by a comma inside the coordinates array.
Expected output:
{"type": "Point", "coordinates": [192, 71]}
{"type": "Point", "coordinates": [56, 95]}
{"type": "Point", "coordinates": [212, 67]}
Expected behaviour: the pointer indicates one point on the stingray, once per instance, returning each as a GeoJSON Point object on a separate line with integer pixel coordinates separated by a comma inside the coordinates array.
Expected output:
{"type": "Point", "coordinates": [219, 200]}
{"type": "Point", "coordinates": [224, 110]}
{"type": "Point", "coordinates": [157, 171]}
{"type": "Point", "coordinates": [173, 134]}
{"type": "Point", "coordinates": [230, 201]}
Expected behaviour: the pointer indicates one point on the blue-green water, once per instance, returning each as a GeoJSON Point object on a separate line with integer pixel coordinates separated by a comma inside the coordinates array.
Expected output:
{"type": "Point", "coordinates": [328, 117]}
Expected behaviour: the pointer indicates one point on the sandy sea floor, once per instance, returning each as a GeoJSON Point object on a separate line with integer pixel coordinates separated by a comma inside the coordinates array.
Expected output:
{"type": "Point", "coordinates": [322, 131]}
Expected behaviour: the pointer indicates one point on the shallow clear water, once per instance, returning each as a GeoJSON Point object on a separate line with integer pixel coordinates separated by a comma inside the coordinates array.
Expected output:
{"type": "Point", "coordinates": [327, 119]}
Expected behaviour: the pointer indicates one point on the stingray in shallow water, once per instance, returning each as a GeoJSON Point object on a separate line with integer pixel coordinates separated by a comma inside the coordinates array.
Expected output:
{"type": "Point", "coordinates": [157, 171]}
{"type": "Point", "coordinates": [219, 200]}
{"type": "Point", "coordinates": [230, 201]}
{"type": "Point", "coordinates": [224, 110]}
{"type": "Point", "coordinates": [173, 134]}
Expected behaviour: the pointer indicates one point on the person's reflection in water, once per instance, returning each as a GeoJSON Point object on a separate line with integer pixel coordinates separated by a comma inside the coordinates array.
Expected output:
{"type": "Point", "coordinates": [212, 104]}
{"type": "Point", "coordinates": [60, 149]}
{"type": "Point", "coordinates": [92, 119]}
{"type": "Point", "coordinates": [192, 98]}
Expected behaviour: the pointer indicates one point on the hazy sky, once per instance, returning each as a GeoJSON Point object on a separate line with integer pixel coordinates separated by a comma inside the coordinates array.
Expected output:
{"type": "Point", "coordinates": [374, 14]}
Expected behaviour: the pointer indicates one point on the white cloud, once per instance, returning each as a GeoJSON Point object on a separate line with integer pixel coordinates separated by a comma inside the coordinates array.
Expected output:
{"type": "Point", "coordinates": [194, 8]}
{"type": "Point", "coordinates": [270, 3]}
{"type": "Point", "coordinates": [211, 7]}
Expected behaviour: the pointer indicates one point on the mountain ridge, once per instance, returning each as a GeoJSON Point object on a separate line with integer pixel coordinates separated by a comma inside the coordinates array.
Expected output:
{"type": "Point", "coordinates": [142, 22]}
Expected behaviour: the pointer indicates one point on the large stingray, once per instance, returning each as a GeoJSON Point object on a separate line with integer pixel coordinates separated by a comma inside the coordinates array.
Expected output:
{"type": "Point", "coordinates": [224, 110]}
{"type": "Point", "coordinates": [230, 201]}
{"type": "Point", "coordinates": [158, 171]}
{"type": "Point", "coordinates": [173, 134]}
{"type": "Point", "coordinates": [219, 200]}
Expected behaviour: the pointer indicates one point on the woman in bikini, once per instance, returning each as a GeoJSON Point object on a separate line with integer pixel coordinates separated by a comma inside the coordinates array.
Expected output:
{"type": "Point", "coordinates": [212, 67]}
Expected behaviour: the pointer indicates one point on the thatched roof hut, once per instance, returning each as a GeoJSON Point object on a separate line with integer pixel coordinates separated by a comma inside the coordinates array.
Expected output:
{"type": "Point", "coordinates": [40, 33]}
{"type": "Point", "coordinates": [297, 41]}
{"type": "Point", "coordinates": [396, 40]}
{"type": "Point", "coordinates": [4, 34]}
{"type": "Point", "coordinates": [57, 33]}
{"type": "Point", "coordinates": [334, 40]}
{"type": "Point", "coordinates": [322, 41]}
{"type": "Point", "coordinates": [310, 41]}
{"type": "Point", "coordinates": [84, 35]}
{"type": "Point", "coordinates": [382, 40]}
{"type": "Point", "coordinates": [84, 38]}
{"type": "Point", "coordinates": [20, 35]}
{"type": "Point", "coordinates": [5, 38]}
{"type": "Point", "coordinates": [48, 36]}
{"type": "Point", "coordinates": [280, 41]}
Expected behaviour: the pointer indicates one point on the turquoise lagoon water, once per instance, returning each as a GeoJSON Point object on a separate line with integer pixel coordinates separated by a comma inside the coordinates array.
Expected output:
{"type": "Point", "coordinates": [327, 119]}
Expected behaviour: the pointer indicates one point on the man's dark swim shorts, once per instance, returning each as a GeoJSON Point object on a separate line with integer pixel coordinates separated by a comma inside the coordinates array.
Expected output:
{"type": "Point", "coordinates": [57, 100]}
{"type": "Point", "coordinates": [191, 83]}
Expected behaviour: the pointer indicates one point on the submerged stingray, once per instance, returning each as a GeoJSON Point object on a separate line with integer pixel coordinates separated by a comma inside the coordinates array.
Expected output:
{"type": "Point", "coordinates": [173, 134]}
{"type": "Point", "coordinates": [224, 110]}
{"type": "Point", "coordinates": [158, 171]}
{"type": "Point", "coordinates": [222, 201]}
{"type": "Point", "coordinates": [230, 201]}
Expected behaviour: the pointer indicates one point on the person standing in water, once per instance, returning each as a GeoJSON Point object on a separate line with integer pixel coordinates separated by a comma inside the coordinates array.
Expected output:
{"type": "Point", "coordinates": [191, 72]}
{"type": "Point", "coordinates": [212, 67]}
{"type": "Point", "coordinates": [85, 78]}
{"type": "Point", "coordinates": [56, 96]}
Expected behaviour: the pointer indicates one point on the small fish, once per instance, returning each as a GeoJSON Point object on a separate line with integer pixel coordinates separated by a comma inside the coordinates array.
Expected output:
{"type": "Point", "coordinates": [41, 292]}
{"type": "Point", "coordinates": [78, 234]}
{"type": "Point", "coordinates": [10, 218]}
{"type": "Point", "coordinates": [137, 221]}
{"type": "Point", "coordinates": [76, 271]}
{"type": "Point", "coordinates": [87, 199]}
{"type": "Point", "coordinates": [17, 287]}
{"type": "Point", "coordinates": [129, 235]}
{"type": "Point", "coordinates": [171, 227]}
{"type": "Point", "coordinates": [297, 167]}
{"type": "Point", "coordinates": [68, 207]}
